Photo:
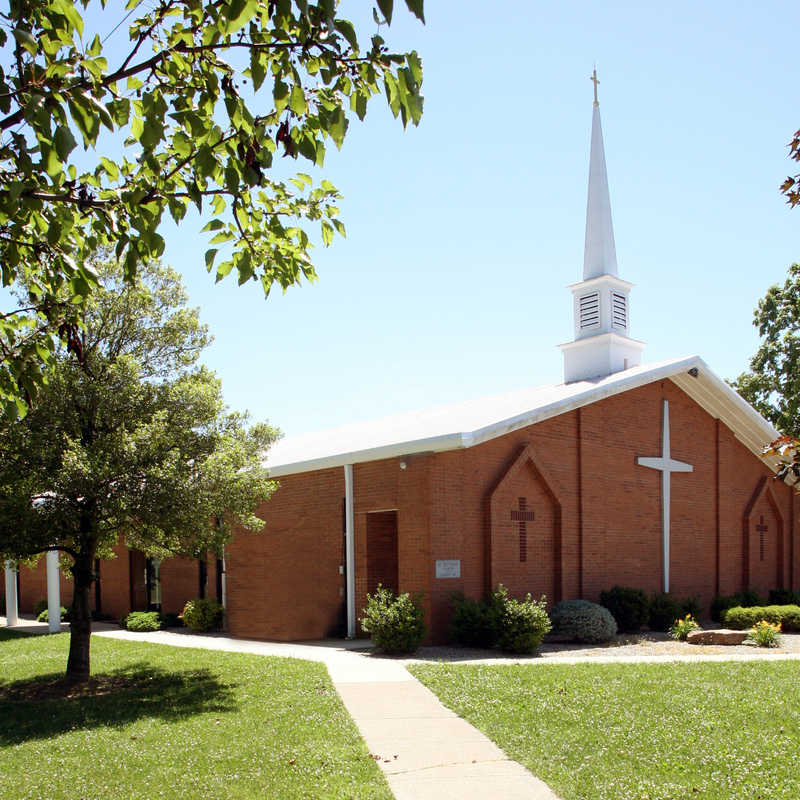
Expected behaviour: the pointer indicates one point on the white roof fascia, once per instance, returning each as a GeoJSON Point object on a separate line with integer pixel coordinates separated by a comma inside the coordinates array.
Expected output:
{"type": "Point", "coordinates": [709, 391]}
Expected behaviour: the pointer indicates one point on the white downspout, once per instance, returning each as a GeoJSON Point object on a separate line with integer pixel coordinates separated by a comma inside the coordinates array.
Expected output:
{"type": "Point", "coordinates": [53, 592]}
{"type": "Point", "coordinates": [350, 551]}
{"type": "Point", "coordinates": [12, 609]}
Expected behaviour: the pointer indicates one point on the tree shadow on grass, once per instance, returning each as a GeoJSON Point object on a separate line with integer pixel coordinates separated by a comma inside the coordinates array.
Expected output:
{"type": "Point", "coordinates": [45, 706]}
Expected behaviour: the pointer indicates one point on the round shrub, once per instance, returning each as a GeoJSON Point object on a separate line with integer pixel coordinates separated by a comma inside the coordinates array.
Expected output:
{"type": "Point", "coordinates": [664, 610]}
{"type": "Point", "coordinates": [203, 614]}
{"type": "Point", "coordinates": [141, 621]}
{"type": "Point", "coordinates": [583, 621]}
{"type": "Point", "coordinates": [629, 607]}
{"type": "Point", "coordinates": [523, 623]}
{"type": "Point", "coordinates": [44, 616]}
{"type": "Point", "coordinates": [395, 622]}
{"type": "Point", "coordinates": [475, 623]}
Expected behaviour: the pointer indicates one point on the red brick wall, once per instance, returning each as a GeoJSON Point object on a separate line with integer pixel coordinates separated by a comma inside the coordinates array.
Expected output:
{"type": "Point", "coordinates": [382, 551]}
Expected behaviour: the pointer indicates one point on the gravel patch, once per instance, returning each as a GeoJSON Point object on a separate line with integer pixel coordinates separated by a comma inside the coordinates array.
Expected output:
{"type": "Point", "coordinates": [646, 646]}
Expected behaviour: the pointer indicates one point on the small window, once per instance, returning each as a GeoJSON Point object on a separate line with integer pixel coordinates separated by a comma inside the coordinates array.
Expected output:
{"type": "Point", "coordinates": [589, 310]}
{"type": "Point", "coordinates": [619, 310]}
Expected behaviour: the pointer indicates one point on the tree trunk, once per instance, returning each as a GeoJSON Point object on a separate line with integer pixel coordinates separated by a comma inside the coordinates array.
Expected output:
{"type": "Point", "coordinates": [81, 619]}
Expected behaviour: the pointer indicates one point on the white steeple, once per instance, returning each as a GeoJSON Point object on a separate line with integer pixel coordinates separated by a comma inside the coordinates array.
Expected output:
{"type": "Point", "coordinates": [602, 345]}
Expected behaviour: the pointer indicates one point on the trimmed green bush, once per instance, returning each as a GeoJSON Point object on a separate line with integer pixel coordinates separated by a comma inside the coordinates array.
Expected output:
{"type": "Point", "coordinates": [44, 616]}
{"type": "Point", "coordinates": [140, 621]}
{"type": "Point", "coordinates": [475, 623]}
{"type": "Point", "coordinates": [523, 623]}
{"type": "Point", "coordinates": [395, 622]}
{"type": "Point", "coordinates": [39, 607]}
{"type": "Point", "coordinates": [583, 621]}
{"type": "Point", "coordinates": [721, 603]}
{"type": "Point", "coordinates": [664, 610]}
{"type": "Point", "coordinates": [739, 618]}
{"type": "Point", "coordinates": [629, 607]}
{"type": "Point", "coordinates": [203, 614]}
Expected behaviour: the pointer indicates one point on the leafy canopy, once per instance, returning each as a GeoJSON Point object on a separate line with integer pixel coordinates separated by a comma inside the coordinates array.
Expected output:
{"type": "Point", "coordinates": [131, 440]}
{"type": "Point", "coordinates": [200, 101]}
{"type": "Point", "coordinates": [772, 384]}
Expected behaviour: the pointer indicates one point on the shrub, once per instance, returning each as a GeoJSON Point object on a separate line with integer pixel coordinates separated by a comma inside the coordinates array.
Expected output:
{"type": "Point", "coordinates": [141, 621]}
{"type": "Point", "coordinates": [765, 634]}
{"type": "Point", "coordinates": [395, 622]}
{"type": "Point", "coordinates": [682, 627]}
{"type": "Point", "coordinates": [691, 606]}
{"type": "Point", "coordinates": [721, 603]}
{"type": "Point", "coordinates": [788, 617]}
{"type": "Point", "coordinates": [39, 607]}
{"type": "Point", "coordinates": [474, 622]}
{"type": "Point", "coordinates": [203, 614]}
{"type": "Point", "coordinates": [523, 623]}
{"type": "Point", "coordinates": [170, 619]}
{"type": "Point", "coordinates": [44, 616]}
{"type": "Point", "coordinates": [629, 607]}
{"type": "Point", "coordinates": [664, 610]}
{"type": "Point", "coordinates": [583, 621]}
{"type": "Point", "coordinates": [784, 597]}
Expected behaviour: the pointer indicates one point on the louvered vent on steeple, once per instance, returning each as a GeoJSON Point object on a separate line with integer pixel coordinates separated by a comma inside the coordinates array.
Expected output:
{"type": "Point", "coordinates": [619, 310]}
{"type": "Point", "coordinates": [589, 310]}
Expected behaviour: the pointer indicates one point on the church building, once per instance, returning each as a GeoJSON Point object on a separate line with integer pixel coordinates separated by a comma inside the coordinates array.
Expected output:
{"type": "Point", "coordinates": [643, 475]}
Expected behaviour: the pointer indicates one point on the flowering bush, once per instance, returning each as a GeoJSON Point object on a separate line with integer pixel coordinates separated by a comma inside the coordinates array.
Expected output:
{"type": "Point", "coordinates": [523, 623]}
{"type": "Point", "coordinates": [765, 634]}
{"type": "Point", "coordinates": [681, 628]}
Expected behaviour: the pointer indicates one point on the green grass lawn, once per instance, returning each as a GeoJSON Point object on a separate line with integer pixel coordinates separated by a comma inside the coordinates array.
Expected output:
{"type": "Point", "coordinates": [168, 722]}
{"type": "Point", "coordinates": [715, 731]}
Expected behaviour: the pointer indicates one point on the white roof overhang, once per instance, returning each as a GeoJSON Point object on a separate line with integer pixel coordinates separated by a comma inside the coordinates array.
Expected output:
{"type": "Point", "coordinates": [468, 424]}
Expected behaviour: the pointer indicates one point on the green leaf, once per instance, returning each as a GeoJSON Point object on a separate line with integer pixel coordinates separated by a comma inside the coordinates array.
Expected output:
{"type": "Point", "coordinates": [68, 10]}
{"type": "Point", "coordinates": [338, 126]}
{"type": "Point", "coordinates": [213, 225]}
{"type": "Point", "coordinates": [238, 14]}
{"type": "Point", "coordinates": [50, 161]}
{"type": "Point", "coordinates": [386, 9]}
{"type": "Point", "coordinates": [210, 256]}
{"type": "Point", "coordinates": [24, 39]}
{"type": "Point", "coordinates": [64, 142]}
{"type": "Point", "coordinates": [258, 68]}
{"type": "Point", "coordinates": [415, 7]}
{"type": "Point", "coordinates": [110, 167]}
{"type": "Point", "coordinates": [297, 101]}
{"type": "Point", "coordinates": [347, 30]}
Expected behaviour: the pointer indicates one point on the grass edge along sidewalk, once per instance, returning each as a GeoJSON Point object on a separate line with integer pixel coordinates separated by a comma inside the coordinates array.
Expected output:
{"type": "Point", "coordinates": [711, 731]}
{"type": "Point", "coordinates": [175, 723]}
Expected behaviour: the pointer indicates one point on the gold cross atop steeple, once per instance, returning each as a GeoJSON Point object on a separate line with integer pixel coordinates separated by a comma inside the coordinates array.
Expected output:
{"type": "Point", "coordinates": [595, 81]}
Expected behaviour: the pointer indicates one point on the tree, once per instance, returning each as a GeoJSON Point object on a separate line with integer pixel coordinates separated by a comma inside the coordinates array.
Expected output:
{"type": "Point", "coordinates": [130, 438]}
{"type": "Point", "coordinates": [791, 186]}
{"type": "Point", "coordinates": [772, 386]}
{"type": "Point", "coordinates": [194, 129]}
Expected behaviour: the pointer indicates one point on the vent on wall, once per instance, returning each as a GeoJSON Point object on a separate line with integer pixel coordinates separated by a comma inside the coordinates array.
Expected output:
{"type": "Point", "coordinates": [619, 310]}
{"type": "Point", "coordinates": [589, 310]}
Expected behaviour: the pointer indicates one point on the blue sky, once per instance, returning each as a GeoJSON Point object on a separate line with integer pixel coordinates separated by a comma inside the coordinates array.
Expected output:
{"type": "Point", "coordinates": [463, 233]}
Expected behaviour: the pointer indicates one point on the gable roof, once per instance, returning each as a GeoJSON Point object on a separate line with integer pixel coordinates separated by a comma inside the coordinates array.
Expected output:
{"type": "Point", "coordinates": [456, 426]}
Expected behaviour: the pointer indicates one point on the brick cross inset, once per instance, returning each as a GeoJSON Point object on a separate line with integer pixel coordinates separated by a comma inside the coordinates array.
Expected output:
{"type": "Point", "coordinates": [523, 517]}
{"type": "Point", "coordinates": [762, 530]}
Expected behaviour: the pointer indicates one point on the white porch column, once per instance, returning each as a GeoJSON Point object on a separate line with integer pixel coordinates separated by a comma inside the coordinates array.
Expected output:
{"type": "Point", "coordinates": [350, 551]}
{"type": "Point", "coordinates": [53, 592]}
{"type": "Point", "coordinates": [12, 610]}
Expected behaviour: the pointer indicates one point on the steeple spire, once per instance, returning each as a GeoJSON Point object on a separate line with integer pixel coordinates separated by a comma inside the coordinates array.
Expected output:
{"type": "Point", "coordinates": [602, 343]}
{"type": "Point", "coordinates": [599, 253]}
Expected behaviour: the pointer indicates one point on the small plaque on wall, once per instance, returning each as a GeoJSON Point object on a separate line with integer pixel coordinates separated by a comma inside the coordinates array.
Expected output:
{"type": "Point", "coordinates": [448, 569]}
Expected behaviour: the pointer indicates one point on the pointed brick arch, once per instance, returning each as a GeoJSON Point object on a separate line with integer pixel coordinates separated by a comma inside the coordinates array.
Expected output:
{"type": "Point", "coordinates": [750, 518]}
{"type": "Point", "coordinates": [508, 508]}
